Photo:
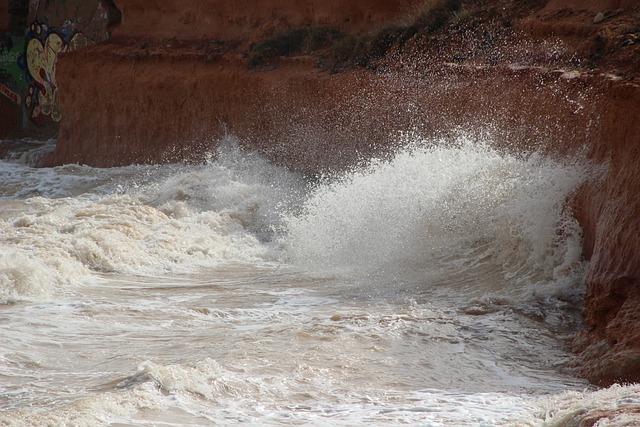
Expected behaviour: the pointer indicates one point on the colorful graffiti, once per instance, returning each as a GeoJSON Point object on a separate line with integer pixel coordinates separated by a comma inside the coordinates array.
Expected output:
{"type": "Point", "coordinates": [12, 79]}
{"type": "Point", "coordinates": [43, 45]}
{"type": "Point", "coordinates": [29, 92]}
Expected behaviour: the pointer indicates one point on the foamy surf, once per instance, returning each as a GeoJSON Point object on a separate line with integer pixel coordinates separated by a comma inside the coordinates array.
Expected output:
{"type": "Point", "coordinates": [292, 351]}
{"type": "Point", "coordinates": [437, 287]}
{"type": "Point", "coordinates": [139, 220]}
{"type": "Point", "coordinates": [447, 208]}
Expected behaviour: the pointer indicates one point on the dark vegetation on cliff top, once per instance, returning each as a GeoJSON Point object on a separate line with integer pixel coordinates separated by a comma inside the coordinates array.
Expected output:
{"type": "Point", "coordinates": [477, 32]}
{"type": "Point", "coordinates": [489, 32]}
{"type": "Point", "coordinates": [338, 51]}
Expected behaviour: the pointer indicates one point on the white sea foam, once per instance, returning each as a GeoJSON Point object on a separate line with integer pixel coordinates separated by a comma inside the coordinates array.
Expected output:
{"type": "Point", "coordinates": [444, 208]}
{"type": "Point", "coordinates": [207, 393]}
{"type": "Point", "coordinates": [137, 220]}
{"type": "Point", "coordinates": [233, 343]}
{"type": "Point", "coordinates": [116, 234]}
{"type": "Point", "coordinates": [618, 405]}
{"type": "Point", "coordinates": [434, 210]}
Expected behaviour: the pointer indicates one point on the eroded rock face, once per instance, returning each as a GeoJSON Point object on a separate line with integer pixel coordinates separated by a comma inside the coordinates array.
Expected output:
{"type": "Point", "coordinates": [609, 347]}
{"type": "Point", "coordinates": [162, 90]}
{"type": "Point", "coordinates": [221, 19]}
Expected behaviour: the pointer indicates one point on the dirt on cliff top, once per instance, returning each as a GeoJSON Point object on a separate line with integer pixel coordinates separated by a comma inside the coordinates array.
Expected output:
{"type": "Point", "coordinates": [600, 37]}
{"type": "Point", "coordinates": [591, 36]}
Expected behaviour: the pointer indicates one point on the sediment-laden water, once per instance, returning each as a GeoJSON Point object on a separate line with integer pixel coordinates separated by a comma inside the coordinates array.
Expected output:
{"type": "Point", "coordinates": [439, 287]}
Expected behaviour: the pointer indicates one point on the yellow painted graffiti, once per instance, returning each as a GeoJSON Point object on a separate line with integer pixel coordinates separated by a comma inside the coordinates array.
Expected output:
{"type": "Point", "coordinates": [41, 58]}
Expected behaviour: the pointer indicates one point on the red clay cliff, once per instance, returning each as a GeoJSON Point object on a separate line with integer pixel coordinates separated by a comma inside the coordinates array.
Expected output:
{"type": "Point", "coordinates": [560, 76]}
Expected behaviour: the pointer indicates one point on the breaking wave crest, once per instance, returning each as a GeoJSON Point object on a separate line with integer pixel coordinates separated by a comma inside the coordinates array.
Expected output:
{"type": "Point", "coordinates": [459, 212]}
{"type": "Point", "coordinates": [437, 212]}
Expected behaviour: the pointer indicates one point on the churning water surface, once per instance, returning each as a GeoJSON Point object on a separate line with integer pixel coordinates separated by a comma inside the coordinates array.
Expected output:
{"type": "Point", "coordinates": [440, 287]}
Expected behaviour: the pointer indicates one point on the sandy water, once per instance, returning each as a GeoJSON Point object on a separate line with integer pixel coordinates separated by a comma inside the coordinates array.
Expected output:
{"type": "Point", "coordinates": [440, 287]}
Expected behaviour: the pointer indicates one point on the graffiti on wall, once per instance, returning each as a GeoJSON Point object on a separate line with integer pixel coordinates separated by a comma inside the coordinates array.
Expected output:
{"type": "Point", "coordinates": [12, 79]}
{"type": "Point", "coordinates": [29, 54]}
{"type": "Point", "coordinates": [43, 45]}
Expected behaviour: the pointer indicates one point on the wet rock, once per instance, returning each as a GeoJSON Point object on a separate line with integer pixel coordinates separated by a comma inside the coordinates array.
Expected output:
{"type": "Point", "coordinates": [629, 39]}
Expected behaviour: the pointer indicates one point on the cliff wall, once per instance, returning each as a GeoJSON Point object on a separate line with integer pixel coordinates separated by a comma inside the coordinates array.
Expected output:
{"type": "Point", "coordinates": [175, 77]}
{"type": "Point", "coordinates": [219, 19]}
{"type": "Point", "coordinates": [298, 115]}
